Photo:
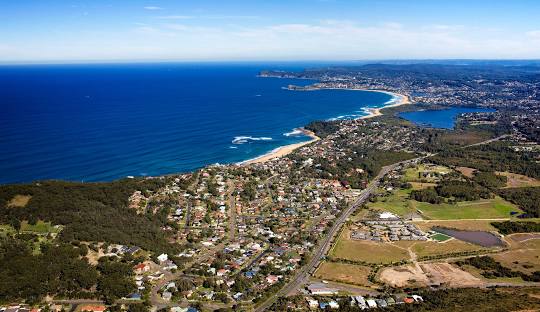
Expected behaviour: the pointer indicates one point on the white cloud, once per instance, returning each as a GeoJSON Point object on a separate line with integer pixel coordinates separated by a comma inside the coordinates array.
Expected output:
{"type": "Point", "coordinates": [176, 17]}
{"type": "Point", "coordinates": [535, 34]}
{"type": "Point", "coordinates": [153, 8]}
{"type": "Point", "coordinates": [323, 40]}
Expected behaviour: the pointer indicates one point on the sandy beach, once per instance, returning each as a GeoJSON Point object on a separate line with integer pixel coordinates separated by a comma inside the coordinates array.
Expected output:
{"type": "Point", "coordinates": [283, 150]}
{"type": "Point", "coordinates": [400, 100]}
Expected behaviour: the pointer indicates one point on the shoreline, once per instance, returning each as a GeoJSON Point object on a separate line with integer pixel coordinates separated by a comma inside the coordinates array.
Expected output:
{"type": "Point", "coordinates": [282, 150]}
{"type": "Point", "coordinates": [397, 100]}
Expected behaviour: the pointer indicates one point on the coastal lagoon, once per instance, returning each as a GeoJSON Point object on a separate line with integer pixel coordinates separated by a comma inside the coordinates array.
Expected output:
{"type": "Point", "coordinates": [443, 118]}
{"type": "Point", "coordinates": [104, 121]}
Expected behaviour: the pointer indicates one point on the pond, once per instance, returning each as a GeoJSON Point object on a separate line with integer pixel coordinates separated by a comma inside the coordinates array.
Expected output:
{"type": "Point", "coordinates": [485, 239]}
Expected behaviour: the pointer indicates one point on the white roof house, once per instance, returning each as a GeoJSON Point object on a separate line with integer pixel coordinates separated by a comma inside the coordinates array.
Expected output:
{"type": "Point", "coordinates": [163, 257]}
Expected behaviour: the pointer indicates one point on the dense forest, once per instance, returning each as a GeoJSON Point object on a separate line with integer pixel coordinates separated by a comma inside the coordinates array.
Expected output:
{"type": "Point", "coordinates": [527, 198]}
{"type": "Point", "coordinates": [497, 156]}
{"type": "Point", "coordinates": [323, 128]}
{"type": "Point", "coordinates": [88, 211]}
{"type": "Point", "coordinates": [453, 191]}
{"type": "Point", "coordinates": [60, 270]}
{"type": "Point", "coordinates": [57, 270]}
{"type": "Point", "coordinates": [509, 227]}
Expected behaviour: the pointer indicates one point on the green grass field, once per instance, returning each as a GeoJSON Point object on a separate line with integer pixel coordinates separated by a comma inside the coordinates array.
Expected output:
{"type": "Point", "coordinates": [440, 237]}
{"type": "Point", "coordinates": [367, 251]}
{"type": "Point", "coordinates": [411, 174]}
{"type": "Point", "coordinates": [482, 209]}
{"type": "Point", "coordinates": [39, 228]}
{"type": "Point", "coordinates": [399, 203]}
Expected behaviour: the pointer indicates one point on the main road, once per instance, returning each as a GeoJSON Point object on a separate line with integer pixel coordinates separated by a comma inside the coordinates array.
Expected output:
{"type": "Point", "coordinates": [323, 247]}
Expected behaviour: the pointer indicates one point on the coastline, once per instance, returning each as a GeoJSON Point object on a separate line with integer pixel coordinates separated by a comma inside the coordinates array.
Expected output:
{"type": "Point", "coordinates": [282, 150]}
{"type": "Point", "coordinates": [397, 100]}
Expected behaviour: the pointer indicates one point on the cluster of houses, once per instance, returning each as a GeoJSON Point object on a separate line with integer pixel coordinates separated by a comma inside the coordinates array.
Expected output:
{"type": "Point", "coordinates": [364, 302]}
{"type": "Point", "coordinates": [387, 227]}
{"type": "Point", "coordinates": [52, 307]}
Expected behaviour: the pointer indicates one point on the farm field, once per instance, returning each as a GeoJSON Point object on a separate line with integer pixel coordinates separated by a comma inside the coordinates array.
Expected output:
{"type": "Point", "coordinates": [344, 273]}
{"type": "Point", "coordinates": [367, 251]}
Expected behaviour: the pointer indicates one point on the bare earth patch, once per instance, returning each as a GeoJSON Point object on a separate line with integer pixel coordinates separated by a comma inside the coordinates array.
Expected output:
{"type": "Point", "coordinates": [428, 274]}
{"type": "Point", "coordinates": [402, 276]}
{"type": "Point", "coordinates": [466, 171]}
{"type": "Point", "coordinates": [518, 180]}
{"type": "Point", "coordinates": [19, 201]}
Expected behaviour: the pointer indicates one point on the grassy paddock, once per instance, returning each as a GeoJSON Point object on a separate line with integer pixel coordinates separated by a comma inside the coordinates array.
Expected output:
{"type": "Point", "coordinates": [367, 251]}
{"type": "Point", "coordinates": [467, 225]}
{"type": "Point", "coordinates": [345, 273]}
{"type": "Point", "coordinates": [39, 228]}
{"type": "Point", "coordinates": [423, 249]}
{"type": "Point", "coordinates": [398, 202]}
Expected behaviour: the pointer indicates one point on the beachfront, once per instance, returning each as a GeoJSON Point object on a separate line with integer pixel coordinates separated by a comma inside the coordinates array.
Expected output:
{"type": "Point", "coordinates": [398, 100]}
{"type": "Point", "coordinates": [283, 150]}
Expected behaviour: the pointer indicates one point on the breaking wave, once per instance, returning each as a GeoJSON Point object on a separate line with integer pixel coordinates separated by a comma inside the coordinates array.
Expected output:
{"type": "Point", "coordinates": [246, 139]}
{"type": "Point", "coordinates": [295, 132]}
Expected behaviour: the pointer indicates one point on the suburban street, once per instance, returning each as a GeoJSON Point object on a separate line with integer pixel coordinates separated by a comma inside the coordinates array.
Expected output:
{"type": "Point", "coordinates": [320, 251]}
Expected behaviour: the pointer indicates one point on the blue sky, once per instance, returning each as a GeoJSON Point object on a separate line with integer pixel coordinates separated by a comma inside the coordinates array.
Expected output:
{"type": "Point", "coordinates": [88, 30]}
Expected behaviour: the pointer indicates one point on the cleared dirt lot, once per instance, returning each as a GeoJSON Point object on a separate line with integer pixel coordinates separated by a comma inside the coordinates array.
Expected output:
{"type": "Point", "coordinates": [427, 274]}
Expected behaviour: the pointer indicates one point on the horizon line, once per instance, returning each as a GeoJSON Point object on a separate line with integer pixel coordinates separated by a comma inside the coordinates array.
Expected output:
{"type": "Point", "coordinates": [261, 61]}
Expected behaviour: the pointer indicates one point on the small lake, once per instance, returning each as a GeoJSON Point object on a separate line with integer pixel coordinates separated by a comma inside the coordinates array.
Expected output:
{"type": "Point", "coordinates": [485, 239]}
{"type": "Point", "coordinates": [440, 118]}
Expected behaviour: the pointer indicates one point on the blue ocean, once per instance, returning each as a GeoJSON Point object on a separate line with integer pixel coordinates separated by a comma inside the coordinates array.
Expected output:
{"type": "Point", "coordinates": [102, 122]}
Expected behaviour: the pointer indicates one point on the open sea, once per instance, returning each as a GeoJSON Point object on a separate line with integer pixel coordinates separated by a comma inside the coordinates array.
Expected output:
{"type": "Point", "coordinates": [102, 122]}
